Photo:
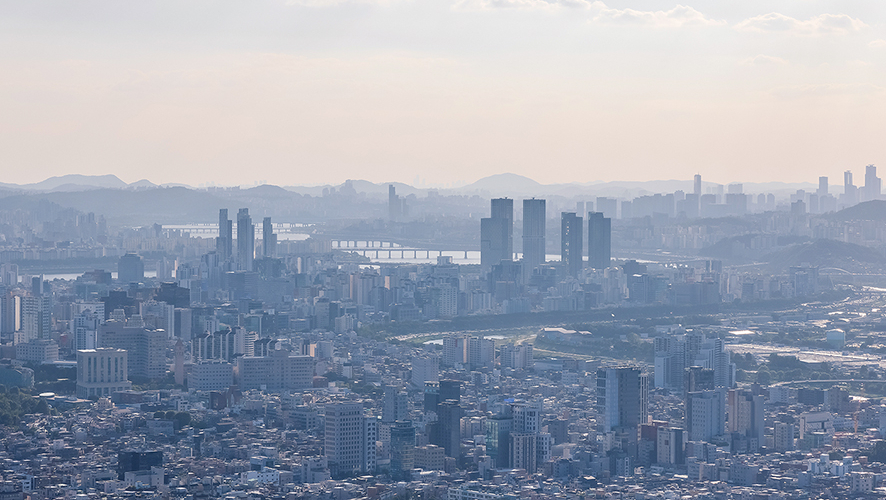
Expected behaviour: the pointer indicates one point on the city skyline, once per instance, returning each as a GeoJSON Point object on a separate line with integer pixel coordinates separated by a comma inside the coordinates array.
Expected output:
{"type": "Point", "coordinates": [442, 249]}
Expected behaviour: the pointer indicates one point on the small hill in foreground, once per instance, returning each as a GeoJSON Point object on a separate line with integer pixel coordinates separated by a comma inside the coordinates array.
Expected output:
{"type": "Point", "coordinates": [828, 253]}
{"type": "Point", "coordinates": [869, 210]}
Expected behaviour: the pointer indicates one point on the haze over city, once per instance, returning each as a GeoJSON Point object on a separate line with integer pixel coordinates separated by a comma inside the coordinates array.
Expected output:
{"type": "Point", "coordinates": [316, 92]}
{"type": "Point", "coordinates": [442, 250]}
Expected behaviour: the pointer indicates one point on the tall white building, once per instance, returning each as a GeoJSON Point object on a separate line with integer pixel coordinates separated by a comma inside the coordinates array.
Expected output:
{"type": "Point", "coordinates": [523, 451]}
{"type": "Point", "coordinates": [350, 439]}
{"type": "Point", "coordinates": [745, 416]}
{"type": "Point", "coordinates": [84, 326]}
{"type": "Point", "coordinates": [784, 436]}
{"type": "Point", "coordinates": [622, 397]}
{"type": "Point", "coordinates": [276, 372]}
{"type": "Point", "coordinates": [448, 304]}
{"type": "Point", "coordinates": [36, 319]}
{"type": "Point", "coordinates": [526, 438]}
{"type": "Point", "coordinates": [526, 419]}
{"type": "Point", "coordinates": [705, 415]}
{"type": "Point", "coordinates": [146, 348]}
{"type": "Point", "coordinates": [713, 354]}
{"type": "Point", "coordinates": [425, 369]}
{"type": "Point", "coordinates": [214, 375]}
{"type": "Point", "coordinates": [37, 351]}
{"type": "Point", "coordinates": [481, 352]}
{"type": "Point", "coordinates": [158, 315]}
{"type": "Point", "coordinates": [669, 446]}
{"type": "Point", "coordinates": [101, 372]}
{"type": "Point", "coordinates": [454, 349]}
{"type": "Point", "coordinates": [518, 357]}
{"type": "Point", "coordinates": [395, 405]}
{"type": "Point", "coordinates": [97, 308]}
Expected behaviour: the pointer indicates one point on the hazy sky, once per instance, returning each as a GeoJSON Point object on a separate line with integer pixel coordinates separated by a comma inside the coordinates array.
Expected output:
{"type": "Point", "coordinates": [315, 91]}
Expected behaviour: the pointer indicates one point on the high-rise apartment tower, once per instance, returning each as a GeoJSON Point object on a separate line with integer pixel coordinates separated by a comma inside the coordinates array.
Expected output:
{"type": "Point", "coordinates": [245, 241]}
{"type": "Point", "coordinates": [571, 239]}
{"type": "Point", "coordinates": [533, 235]}
{"type": "Point", "coordinates": [599, 240]}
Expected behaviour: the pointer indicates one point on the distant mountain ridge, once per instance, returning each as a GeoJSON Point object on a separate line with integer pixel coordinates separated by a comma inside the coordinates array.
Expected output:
{"type": "Point", "coordinates": [78, 182]}
{"type": "Point", "coordinates": [504, 184]}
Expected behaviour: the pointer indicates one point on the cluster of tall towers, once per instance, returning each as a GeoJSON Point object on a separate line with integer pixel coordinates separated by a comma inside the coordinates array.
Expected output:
{"type": "Point", "coordinates": [497, 237]}
{"type": "Point", "coordinates": [822, 200]}
{"type": "Point", "coordinates": [852, 194]}
{"type": "Point", "coordinates": [245, 256]}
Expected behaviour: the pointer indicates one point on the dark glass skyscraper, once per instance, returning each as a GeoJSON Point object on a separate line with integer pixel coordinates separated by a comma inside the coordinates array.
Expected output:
{"type": "Point", "coordinates": [622, 397]}
{"type": "Point", "coordinates": [571, 239]}
{"type": "Point", "coordinates": [449, 420]}
{"type": "Point", "coordinates": [245, 241]}
{"type": "Point", "coordinates": [450, 390]}
{"type": "Point", "coordinates": [599, 240]}
{"type": "Point", "coordinates": [503, 208]}
{"type": "Point", "coordinates": [269, 239]}
{"type": "Point", "coordinates": [402, 449]}
{"type": "Point", "coordinates": [396, 207]}
{"type": "Point", "coordinates": [533, 235]}
{"type": "Point", "coordinates": [131, 268]}
{"type": "Point", "coordinates": [133, 461]}
{"type": "Point", "coordinates": [225, 241]}
{"type": "Point", "coordinates": [498, 433]}
{"type": "Point", "coordinates": [497, 233]}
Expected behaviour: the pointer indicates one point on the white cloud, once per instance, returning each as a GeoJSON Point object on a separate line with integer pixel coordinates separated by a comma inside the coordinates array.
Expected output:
{"type": "Point", "coordinates": [829, 90]}
{"type": "Point", "coordinates": [681, 15]}
{"type": "Point", "coordinates": [825, 24]}
{"type": "Point", "coordinates": [335, 3]}
{"type": "Point", "coordinates": [763, 60]}
{"type": "Point", "coordinates": [877, 44]}
{"type": "Point", "coordinates": [521, 4]}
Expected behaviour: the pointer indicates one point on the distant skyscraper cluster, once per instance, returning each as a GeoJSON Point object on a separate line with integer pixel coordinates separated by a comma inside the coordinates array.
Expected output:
{"type": "Point", "coordinates": [496, 236]}
{"type": "Point", "coordinates": [244, 259]}
{"type": "Point", "coordinates": [715, 203]}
